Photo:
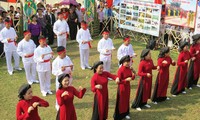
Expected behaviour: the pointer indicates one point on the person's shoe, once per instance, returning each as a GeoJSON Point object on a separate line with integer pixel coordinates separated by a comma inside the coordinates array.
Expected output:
{"type": "Point", "coordinates": [19, 69]}
{"type": "Point", "coordinates": [128, 117]}
{"type": "Point", "coordinates": [30, 83]}
{"type": "Point", "coordinates": [44, 94]}
{"type": "Point", "coordinates": [167, 98]}
{"type": "Point", "coordinates": [148, 106]}
{"type": "Point", "coordinates": [36, 81]}
{"type": "Point", "coordinates": [190, 88]}
{"type": "Point", "coordinates": [139, 109]}
{"type": "Point", "coordinates": [88, 67]}
{"type": "Point", "coordinates": [174, 95]}
{"type": "Point", "coordinates": [83, 68]}
{"type": "Point", "coordinates": [155, 103]}
{"type": "Point", "coordinates": [50, 93]}
{"type": "Point", "coordinates": [10, 73]}
{"type": "Point", "coordinates": [184, 92]}
{"type": "Point", "coordinates": [198, 86]}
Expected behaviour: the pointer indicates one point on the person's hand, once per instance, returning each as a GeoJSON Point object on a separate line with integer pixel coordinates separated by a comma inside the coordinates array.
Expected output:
{"type": "Point", "coordinates": [174, 62]}
{"type": "Point", "coordinates": [164, 62]}
{"type": "Point", "coordinates": [98, 86]}
{"type": "Point", "coordinates": [43, 56]}
{"type": "Point", "coordinates": [193, 58]}
{"type": "Point", "coordinates": [80, 88]}
{"type": "Point", "coordinates": [9, 40]}
{"type": "Point", "coordinates": [186, 61]}
{"type": "Point", "coordinates": [63, 68]}
{"type": "Point", "coordinates": [148, 75]}
{"type": "Point", "coordinates": [16, 38]}
{"type": "Point", "coordinates": [117, 80]}
{"type": "Point", "coordinates": [52, 53]}
{"type": "Point", "coordinates": [35, 104]}
{"type": "Point", "coordinates": [128, 79]}
{"type": "Point", "coordinates": [83, 42]}
{"type": "Point", "coordinates": [30, 109]}
{"type": "Point", "coordinates": [158, 67]}
{"type": "Point", "coordinates": [76, 20]}
{"type": "Point", "coordinates": [197, 52]}
{"type": "Point", "coordinates": [107, 50]}
{"type": "Point", "coordinates": [135, 55]}
{"type": "Point", "coordinates": [64, 94]}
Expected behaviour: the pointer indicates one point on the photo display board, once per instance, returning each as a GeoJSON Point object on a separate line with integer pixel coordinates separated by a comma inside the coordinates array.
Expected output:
{"type": "Point", "coordinates": [140, 17]}
{"type": "Point", "coordinates": [181, 12]}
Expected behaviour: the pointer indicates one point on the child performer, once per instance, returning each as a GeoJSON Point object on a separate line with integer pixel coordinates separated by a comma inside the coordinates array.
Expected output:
{"type": "Point", "coordinates": [62, 64]}
{"type": "Point", "coordinates": [26, 49]}
{"type": "Point", "coordinates": [105, 48]}
{"type": "Point", "coordinates": [194, 68]}
{"type": "Point", "coordinates": [65, 97]}
{"type": "Point", "coordinates": [83, 38]}
{"type": "Point", "coordinates": [9, 37]}
{"type": "Point", "coordinates": [27, 107]}
{"type": "Point", "coordinates": [179, 82]}
{"type": "Point", "coordinates": [99, 85]}
{"type": "Point", "coordinates": [162, 81]}
{"type": "Point", "coordinates": [42, 56]}
{"type": "Point", "coordinates": [145, 83]}
{"type": "Point", "coordinates": [125, 75]}
{"type": "Point", "coordinates": [126, 49]}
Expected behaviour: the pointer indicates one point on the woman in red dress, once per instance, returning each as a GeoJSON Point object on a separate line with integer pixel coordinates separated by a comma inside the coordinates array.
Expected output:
{"type": "Point", "coordinates": [99, 85]}
{"type": "Point", "coordinates": [125, 75]}
{"type": "Point", "coordinates": [27, 107]}
{"type": "Point", "coordinates": [194, 67]}
{"type": "Point", "coordinates": [162, 81]}
{"type": "Point", "coordinates": [65, 96]}
{"type": "Point", "coordinates": [145, 83]}
{"type": "Point", "coordinates": [179, 82]}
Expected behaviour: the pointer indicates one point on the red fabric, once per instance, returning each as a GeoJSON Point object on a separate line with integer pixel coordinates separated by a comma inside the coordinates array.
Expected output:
{"type": "Point", "coordinates": [193, 50]}
{"type": "Point", "coordinates": [158, 1]}
{"type": "Point", "coordinates": [26, 33]}
{"type": "Point", "coordinates": [102, 94]}
{"type": "Point", "coordinates": [31, 55]}
{"type": "Point", "coordinates": [184, 55]}
{"type": "Point", "coordinates": [127, 39]}
{"type": "Point", "coordinates": [163, 78]}
{"type": "Point", "coordinates": [145, 67]}
{"type": "Point", "coordinates": [23, 105]}
{"type": "Point", "coordinates": [43, 39]}
{"type": "Point", "coordinates": [65, 15]}
{"type": "Point", "coordinates": [89, 43]}
{"type": "Point", "coordinates": [12, 1]}
{"type": "Point", "coordinates": [46, 60]}
{"type": "Point", "coordinates": [61, 52]}
{"type": "Point", "coordinates": [67, 109]}
{"type": "Point", "coordinates": [110, 3]}
{"type": "Point", "coordinates": [124, 88]}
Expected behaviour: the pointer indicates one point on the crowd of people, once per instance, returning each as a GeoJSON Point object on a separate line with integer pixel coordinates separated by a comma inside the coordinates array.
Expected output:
{"type": "Point", "coordinates": [36, 56]}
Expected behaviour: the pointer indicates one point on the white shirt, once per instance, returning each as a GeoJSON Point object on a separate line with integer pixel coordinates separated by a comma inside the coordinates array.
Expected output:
{"type": "Point", "coordinates": [58, 63]}
{"type": "Point", "coordinates": [60, 27]}
{"type": "Point", "coordinates": [104, 45]}
{"type": "Point", "coordinates": [191, 39]}
{"type": "Point", "coordinates": [124, 50]}
{"type": "Point", "coordinates": [26, 47]}
{"type": "Point", "coordinates": [4, 35]}
{"type": "Point", "coordinates": [80, 15]}
{"type": "Point", "coordinates": [83, 35]}
{"type": "Point", "coordinates": [41, 65]}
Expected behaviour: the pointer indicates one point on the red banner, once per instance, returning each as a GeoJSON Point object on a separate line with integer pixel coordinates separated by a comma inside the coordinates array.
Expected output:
{"type": "Point", "coordinates": [11, 1]}
{"type": "Point", "coordinates": [110, 3]}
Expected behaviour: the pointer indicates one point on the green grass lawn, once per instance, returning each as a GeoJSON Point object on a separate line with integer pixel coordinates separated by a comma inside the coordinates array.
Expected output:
{"type": "Point", "coordinates": [182, 107]}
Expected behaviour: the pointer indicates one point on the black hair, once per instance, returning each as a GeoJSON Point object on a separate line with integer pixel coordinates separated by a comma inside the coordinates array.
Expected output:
{"type": "Point", "coordinates": [61, 78]}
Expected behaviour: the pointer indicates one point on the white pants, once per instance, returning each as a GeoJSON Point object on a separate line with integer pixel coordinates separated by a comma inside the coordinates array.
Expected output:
{"type": "Point", "coordinates": [45, 81]}
{"type": "Point", "coordinates": [9, 60]}
{"type": "Point", "coordinates": [84, 56]}
{"type": "Point", "coordinates": [30, 70]}
{"type": "Point", "coordinates": [106, 65]}
{"type": "Point", "coordinates": [61, 42]}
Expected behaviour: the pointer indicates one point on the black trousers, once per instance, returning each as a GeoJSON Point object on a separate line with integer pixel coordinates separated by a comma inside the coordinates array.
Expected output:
{"type": "Point", "coordinates": [50, 35]}
{"type": "Point", "coordinates": [35, 39]}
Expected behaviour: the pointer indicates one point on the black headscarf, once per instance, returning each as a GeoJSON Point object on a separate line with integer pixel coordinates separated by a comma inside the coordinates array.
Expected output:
{"type": "Point", "coordinates": [195, 38]}
{"type": "Point", "coordinates": [163, 51]}
{"type": "Point", "coordinates": [61, 78]}
{"type": "Point", "coordinates": [144, 53]}
{"type": "Point", "coordinates": [124, 59]}
{"type": "Point", "coordinates": [22, 90]}
{"type": "Point", "coordinates": [182, 45]}
{"type": "Point", "coordinates": [96, 64]}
